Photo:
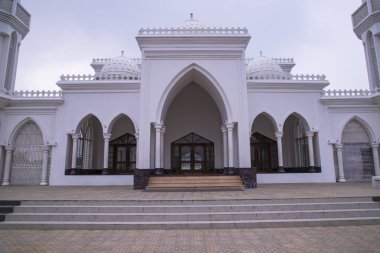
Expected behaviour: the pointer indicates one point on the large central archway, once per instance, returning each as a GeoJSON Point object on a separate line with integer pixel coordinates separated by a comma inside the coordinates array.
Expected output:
{"type": "Point", "coordinates": [195, 104]}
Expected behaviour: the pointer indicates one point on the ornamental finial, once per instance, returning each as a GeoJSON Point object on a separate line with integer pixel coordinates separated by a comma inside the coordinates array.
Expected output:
{"type": "Point", "coordinates": [261, 53]}
{"type": "Point", "coordinates": [191, 16]}
{"type": "Point", "coordinates": [122, 53]}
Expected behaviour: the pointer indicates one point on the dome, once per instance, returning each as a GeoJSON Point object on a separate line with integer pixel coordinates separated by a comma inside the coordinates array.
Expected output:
{"type": "Point", "coordinates": [192, 24]}
{"type": "Point", "coordinates": [262, 67]}
{"type": "Point", "coordinates": [120, 67]}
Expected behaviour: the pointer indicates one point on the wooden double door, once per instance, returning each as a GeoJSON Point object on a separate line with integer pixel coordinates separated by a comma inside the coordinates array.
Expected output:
{"type": "Point", "coordinates": [124, 158]}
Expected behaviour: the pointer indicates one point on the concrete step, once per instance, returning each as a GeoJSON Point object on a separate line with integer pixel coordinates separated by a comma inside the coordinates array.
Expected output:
{"type": "Point", "coordinates": [191, 225]}
{"type": "Point", "coordinates": [191, 208]}
{"type": "Point", "coordinates": [221, 216]}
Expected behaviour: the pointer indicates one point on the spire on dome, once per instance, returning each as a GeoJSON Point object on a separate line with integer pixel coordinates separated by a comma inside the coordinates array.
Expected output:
{"type": "Point", "coordinates": [191, 16]}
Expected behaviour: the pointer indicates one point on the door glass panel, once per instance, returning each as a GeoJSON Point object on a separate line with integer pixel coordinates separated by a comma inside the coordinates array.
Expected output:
{"type": "Point", "coordinates": [132, 154]}
{"type": "Point", "coordinates": [186, 158]}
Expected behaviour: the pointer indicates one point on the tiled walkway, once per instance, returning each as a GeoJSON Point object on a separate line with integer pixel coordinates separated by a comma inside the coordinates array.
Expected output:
{"type": "Point", "coordinates": [325, 239]}
{"type": "Point", "coordinates": [264, 191]}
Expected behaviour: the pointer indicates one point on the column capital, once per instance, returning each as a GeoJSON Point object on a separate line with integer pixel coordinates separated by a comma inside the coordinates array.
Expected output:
{"type": "Point", "coordinates": [338, 145]}
{"type": "Point", "coordinates": [75, 136]}
{"type": "Point", "coordinates": [230, 126]}
{"type": "Point", "coordinates": [163, 129]}
{"type": "Point", "coordinates": [223, 128]}
{"type": "Point", "coordinates": [374, 145]}
{"type": "Point", "coordinates": [45, 148]}
{"type": "Point", "coordinates": [158, 125]}
{"type": "Point", "coordinates": [278, 134]}
{"type": "Point", "coordinates": [107, 136]}
{"type": "Point", "coordinates": [9, 148]}
{"type": "Point", "coordinates": [137, 135]}
{"type": "Point", "coordinates": [309, 134]}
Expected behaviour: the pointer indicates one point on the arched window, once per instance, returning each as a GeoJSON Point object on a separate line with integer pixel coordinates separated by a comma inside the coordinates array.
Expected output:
{"type": "Point", "coordinates": [26, 166]}
{"type": "Point", "coordinates": [375, 67]}
{"type": "Point", "coordinates": [85, 146]}
{"type": "Point", "coordinates": [302, 149]}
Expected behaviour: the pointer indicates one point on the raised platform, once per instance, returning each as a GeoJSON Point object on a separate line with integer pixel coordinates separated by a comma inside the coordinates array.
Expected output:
{"type": "Point", "coordinates": [199, 183]}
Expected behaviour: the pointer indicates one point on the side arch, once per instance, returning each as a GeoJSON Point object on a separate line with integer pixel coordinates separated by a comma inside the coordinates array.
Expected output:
{"type": "Point", "coordinates": [269, 116]}
{"type": "Point", "coordinates": [116, 118]}
{"type": "Point", "coordinates": [203, 78]}
{"type": "Point", "coordinates": [299, 117]}
{"type": "Point", "coordinates": [78, 126]}
{"type": "Point", "coordinates": [17, 128]}
{"type": "Point", "coordinates": [362, 123]}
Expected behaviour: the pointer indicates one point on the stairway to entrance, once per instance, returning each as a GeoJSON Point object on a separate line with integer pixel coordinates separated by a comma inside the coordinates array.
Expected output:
{"type": "Point", "coordinates": [189, 214]}
{"type": "Point", "coordinates": [165, 183]}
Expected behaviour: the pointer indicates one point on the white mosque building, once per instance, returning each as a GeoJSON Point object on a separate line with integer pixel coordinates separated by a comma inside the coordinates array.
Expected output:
{"type": "Point", "coordinates": [193, 104]}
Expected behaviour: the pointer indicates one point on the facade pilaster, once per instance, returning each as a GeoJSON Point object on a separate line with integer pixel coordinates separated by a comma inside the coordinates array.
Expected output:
{"type": "Point", "coordinates": [7, 167]}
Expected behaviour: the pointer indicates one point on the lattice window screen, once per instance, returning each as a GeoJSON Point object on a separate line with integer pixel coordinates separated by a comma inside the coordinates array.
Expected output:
{"type": "Point", "coordinates": [84, 146]}
{"type": "Point", "coordinates": [302, 149]}
{"type": "Point", "coordinates": [354, 133]}
{"type": "Point", "coordinates": [26, 166]}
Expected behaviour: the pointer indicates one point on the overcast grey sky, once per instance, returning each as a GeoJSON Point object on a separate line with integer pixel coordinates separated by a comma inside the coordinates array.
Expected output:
{"type": "Point", "coordinates": [66, 35]}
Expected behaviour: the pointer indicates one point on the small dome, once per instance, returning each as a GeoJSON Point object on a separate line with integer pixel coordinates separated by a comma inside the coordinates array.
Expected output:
{"type": "Point", "coordinates": [263, 66]}
{"type": "Point", "coordinates": [192, 24]}
{"type": "Point", "coordinates": [120, 67]}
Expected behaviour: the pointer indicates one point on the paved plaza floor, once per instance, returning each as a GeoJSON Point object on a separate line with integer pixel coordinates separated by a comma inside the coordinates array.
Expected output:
{"type": "Point", "coordinates": [264, 191]}
{"type": "Point", "coordinates": [364, 239]}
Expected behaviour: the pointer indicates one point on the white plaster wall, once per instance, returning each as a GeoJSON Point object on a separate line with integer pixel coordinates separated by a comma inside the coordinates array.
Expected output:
{"type": "Point", "coordinates": [193, 110]}
{"type": "Point", "coordinates": [106, 106]}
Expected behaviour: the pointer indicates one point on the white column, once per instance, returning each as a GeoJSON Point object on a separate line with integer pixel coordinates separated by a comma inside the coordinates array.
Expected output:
{"type": "Point", "coordinates": [230, 128]}
{"type": "Point", "coordinates": [107, 138]}
{"type": "Point", "coordinates": [163, 130]}
{"type": "Point", "coordinates": [279, 151]}
{"type": "Point", "coordinates": [375, 152]}
{"type": "Point", "coordinates": [74, 151]}
{"type": "Point", "coordinates": [225, 149]}
{"type": "Point", "coordinates": [310, 145]}
{"type": "Point", "coordinates": [137, 149]}
{"type": "Point", "coordinates": [7, 168]}
{"type": "Point", "coordinates": [45, 157]}
{"type": "Point", "coordinates": [339, 153]}
{"type": "Point", "coordinates": [158, 127]}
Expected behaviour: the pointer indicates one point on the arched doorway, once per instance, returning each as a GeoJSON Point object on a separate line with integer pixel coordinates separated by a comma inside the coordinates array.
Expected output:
{"type": "Point", "coordinates": [27, 158]}
{"type": "Point", "coordinates": [357, 152]}
{"type": "Point", "coordinates": [122, 151]}
{"type": "Point", "coordinates": [264, 155]}
{"type": "Point", "coordinates": [201, 151]}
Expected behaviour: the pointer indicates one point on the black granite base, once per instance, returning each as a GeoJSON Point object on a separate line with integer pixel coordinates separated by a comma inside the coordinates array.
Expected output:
{"type": "Point", "coordinates": [159, 171]}
{"type": "Point", "coordinates": [248, 175]}
{"type": "Point", "coordinates": [141, 178]}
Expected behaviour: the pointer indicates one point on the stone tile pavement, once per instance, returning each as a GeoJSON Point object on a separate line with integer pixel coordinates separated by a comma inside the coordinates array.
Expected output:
{"type": "Point", "coordinates": [264, 191]}
{"type": "Point", "coordinates": [364, 239]}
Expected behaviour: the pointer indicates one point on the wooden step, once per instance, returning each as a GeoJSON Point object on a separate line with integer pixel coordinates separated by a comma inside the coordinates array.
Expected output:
{"type": "Point", "coordinates": [195, 182]}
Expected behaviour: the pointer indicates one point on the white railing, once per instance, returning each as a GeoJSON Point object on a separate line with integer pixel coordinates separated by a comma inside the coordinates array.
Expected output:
{"type": "Point", "coordinates": [98, 78]}
{"type": "Point", "coordinates": [36, 94]}
{"type": "Point", "coordinates": [283, 60]}
{"type": "Point", "coordinates": [176, 31]}
{"type": "Point", "coordinates": [360, 14]}
{"type": "Point", "coordinates": [349, 93]}
{"type": "Point", "coordinates": [288, 77]}
{"type": "Point", "coordinates": [100, 60]}
{"type": "Point", "coordinates": [105, 60]}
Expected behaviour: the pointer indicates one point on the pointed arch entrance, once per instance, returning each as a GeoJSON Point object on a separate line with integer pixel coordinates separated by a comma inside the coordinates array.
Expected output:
{"type": "Point", "coordinates": [193, 102]}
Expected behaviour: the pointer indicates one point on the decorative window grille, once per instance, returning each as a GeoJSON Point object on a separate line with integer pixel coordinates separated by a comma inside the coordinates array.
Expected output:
{"type": "Point", "coordinates": [357, 153]}
{"type": "Point", "coordinates": [302, 148]}
{"type": "Point", "coordinates": [26, 166]}
{"type": "Point", "coordinates": [375, 67]}
{"type": "Point", "coordinates": [85, 146]}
